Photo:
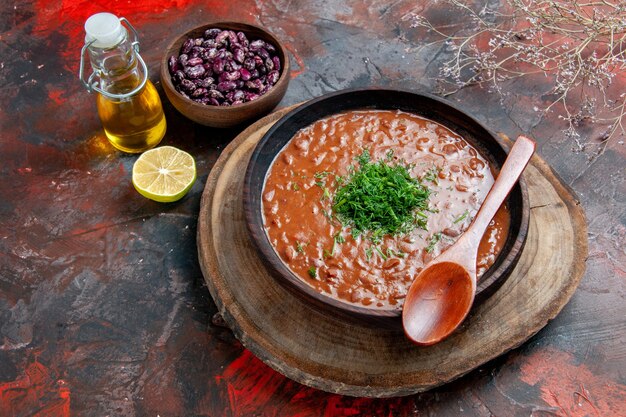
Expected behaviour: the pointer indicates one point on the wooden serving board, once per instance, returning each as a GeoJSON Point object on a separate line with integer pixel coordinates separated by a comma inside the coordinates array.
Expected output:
{"type": "Point", "coordinates": [333, 355]}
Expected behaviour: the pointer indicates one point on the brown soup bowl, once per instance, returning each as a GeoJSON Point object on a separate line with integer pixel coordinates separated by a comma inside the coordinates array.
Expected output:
{"type": "Point", "coordinates": [226, 116]}
{"type": "Point", "coordinates": [436, 109]}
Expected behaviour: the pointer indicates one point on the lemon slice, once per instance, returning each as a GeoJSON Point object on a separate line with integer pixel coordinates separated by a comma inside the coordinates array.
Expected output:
{"type": "Point", "coordinates": [164, 174]}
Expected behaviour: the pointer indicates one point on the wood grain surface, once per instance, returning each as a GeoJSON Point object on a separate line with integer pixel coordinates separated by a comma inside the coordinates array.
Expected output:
{"type": "Point", "coordinates": [330, 354]}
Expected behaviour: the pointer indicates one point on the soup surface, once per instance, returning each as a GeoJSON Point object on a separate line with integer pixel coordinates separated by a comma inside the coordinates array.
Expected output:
{"type": "Point", "coordinates": [321, 250]}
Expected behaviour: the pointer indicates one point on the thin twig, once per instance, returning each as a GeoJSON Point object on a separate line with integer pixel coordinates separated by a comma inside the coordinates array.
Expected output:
{"type": "Point", "coordinates": [580, 45]}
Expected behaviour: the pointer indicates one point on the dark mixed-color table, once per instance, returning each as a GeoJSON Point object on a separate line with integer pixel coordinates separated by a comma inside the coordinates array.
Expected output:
{"type": "Point", "coordinates": [103, 307]}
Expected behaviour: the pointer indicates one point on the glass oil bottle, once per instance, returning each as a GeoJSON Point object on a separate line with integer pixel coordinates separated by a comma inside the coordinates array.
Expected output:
{"type": "Point", "coordinates": [128, 104]}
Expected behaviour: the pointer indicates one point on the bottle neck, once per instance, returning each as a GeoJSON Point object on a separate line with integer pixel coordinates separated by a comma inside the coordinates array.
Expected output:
{"type": "Point", "coordinates": [116, 67]}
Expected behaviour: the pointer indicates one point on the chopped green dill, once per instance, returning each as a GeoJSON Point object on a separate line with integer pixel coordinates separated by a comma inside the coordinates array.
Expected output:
{"type": "Point", "coordinates": [368, 253]}
{"type": "Point", "coordinates": [312, 272]}
{"type": "Point", "coordinates": [461, 217]}
{"type": "Point", "coordinates": [328, 254]}
{"type": "Point", "coordinates": [377, 236]}
{"type": "Point", "coordinates": [391, 253]}
{"type": "Point", "coordinates": [382, 199]}
{"type": "Point", "coordinates": [450, 188]}
{"type": "Point", "coordinates": [421, 220]}
{"type": "Point", "coordinates": [326, 195]}
{"type": "Point", "coordinates": [320, 183]}
{"type": "Point", "coordinates": [364, 158]}
{"type": "Point", "coordinates": [389, 154]}
{"type": "Point", "coordinates": [336, 240]}
{"type": "Point", "coordinates": [295, 187]}
{"type": "Point", "coordinates": [339, 181]}
{"type": "Point", "coordinates": [382, 255]}
{"type": "Point", "coordinates": [432, 175]}
{"type": "Point", "coordinates": [328, 215]}
{"type": "Point", "coordinates": [433, 241]}
{"type": "Point", "coordinates": [300, 247]}
{"type": "Point", "coordinates": [322, 174]}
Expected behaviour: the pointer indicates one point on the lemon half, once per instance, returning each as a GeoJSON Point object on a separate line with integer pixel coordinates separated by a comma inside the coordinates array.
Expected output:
{"type": "Point", "coordinates": [164, 174]}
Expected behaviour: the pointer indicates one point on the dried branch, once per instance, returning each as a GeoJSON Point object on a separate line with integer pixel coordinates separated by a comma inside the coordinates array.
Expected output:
{"type": "Point", "coordinates": [579, 45]}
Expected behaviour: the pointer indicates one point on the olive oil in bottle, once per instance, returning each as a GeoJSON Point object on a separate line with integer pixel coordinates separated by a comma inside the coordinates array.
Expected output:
{"type": "Point", "coordinates": [135, 124]}
{"type": "Point", "coordinates": [128, 104]}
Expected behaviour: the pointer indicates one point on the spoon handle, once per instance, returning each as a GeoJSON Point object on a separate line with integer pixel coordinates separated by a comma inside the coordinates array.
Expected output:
{"type": "Point", "coordinates": [516, 161]}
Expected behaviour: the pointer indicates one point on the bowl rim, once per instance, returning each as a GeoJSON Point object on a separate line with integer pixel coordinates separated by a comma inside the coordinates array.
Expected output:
{"type": "Point", "coordinates": [166, 77]}
{"type": "Point", "coordinates": [489, 282]}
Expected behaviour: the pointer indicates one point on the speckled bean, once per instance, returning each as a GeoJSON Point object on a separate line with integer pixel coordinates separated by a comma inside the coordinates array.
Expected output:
{"type": "Point", "coordinates": [195, 72]}
{"type": "Point", "coordinates": [224, 67]}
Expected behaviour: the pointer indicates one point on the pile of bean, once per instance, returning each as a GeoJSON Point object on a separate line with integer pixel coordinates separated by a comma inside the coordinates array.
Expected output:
{"type": "Point", "coordinates": [224, 68]}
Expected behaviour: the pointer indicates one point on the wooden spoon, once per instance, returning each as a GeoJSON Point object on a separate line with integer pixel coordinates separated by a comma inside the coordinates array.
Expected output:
{"type": "Point", "coordinates": [442, 294]}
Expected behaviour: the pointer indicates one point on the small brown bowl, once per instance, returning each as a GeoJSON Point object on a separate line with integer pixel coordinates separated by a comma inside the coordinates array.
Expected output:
{"type": "Point", "coordinates": [430, 107]}
{"type": "Point", "coordinates": [227, 116]}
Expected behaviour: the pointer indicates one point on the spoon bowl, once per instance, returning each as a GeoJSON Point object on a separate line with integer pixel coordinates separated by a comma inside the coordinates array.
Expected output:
{"type": "Point", "coordinates": [446, 281]}
{"type": "Point", "coordinates": [442, 294]}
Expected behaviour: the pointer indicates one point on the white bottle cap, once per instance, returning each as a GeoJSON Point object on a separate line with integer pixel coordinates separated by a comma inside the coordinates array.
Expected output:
{"type": "Point", "coordinates": [104, 29]}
